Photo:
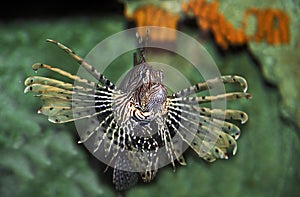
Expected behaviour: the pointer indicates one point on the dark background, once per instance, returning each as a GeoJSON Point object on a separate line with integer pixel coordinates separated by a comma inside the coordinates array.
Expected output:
{"type": "Point", "coordinates": [12, 10]}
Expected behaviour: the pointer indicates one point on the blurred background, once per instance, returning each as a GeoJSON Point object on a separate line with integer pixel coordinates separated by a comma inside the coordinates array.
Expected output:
{"type": "Point", "coordinates": [259, 41]}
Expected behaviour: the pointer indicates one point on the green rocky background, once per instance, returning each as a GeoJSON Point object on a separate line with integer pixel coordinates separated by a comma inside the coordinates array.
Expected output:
{"type": "Point", "coordinates": [39, 158]}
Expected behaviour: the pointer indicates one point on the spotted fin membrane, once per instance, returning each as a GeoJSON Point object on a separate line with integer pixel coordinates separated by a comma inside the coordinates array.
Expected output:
{"type": "Point", "coordinates": [123, 118]}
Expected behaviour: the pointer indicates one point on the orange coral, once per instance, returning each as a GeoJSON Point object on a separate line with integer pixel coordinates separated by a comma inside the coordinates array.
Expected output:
{"type": "Point", "coordinates": [272, 25]}
{"type": "Point", "coordinates": [208, 18]}
{"type": "Point", "coordinates": [150, 15]}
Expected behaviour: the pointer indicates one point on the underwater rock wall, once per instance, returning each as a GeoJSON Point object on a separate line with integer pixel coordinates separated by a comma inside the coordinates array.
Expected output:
{"type": "Point", "coordinates": [279, 63]}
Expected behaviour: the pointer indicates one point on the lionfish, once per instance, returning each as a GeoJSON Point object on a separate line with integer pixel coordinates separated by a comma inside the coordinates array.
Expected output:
{"type": "Point", "coordinates": [138, 124]}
